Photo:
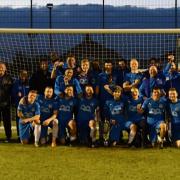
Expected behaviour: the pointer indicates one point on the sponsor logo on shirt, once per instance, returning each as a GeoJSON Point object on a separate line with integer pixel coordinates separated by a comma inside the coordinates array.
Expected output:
{"type": "Point", "coordinates": [65, 108]}
{"type": "Point", "coordinates": [85, 108]}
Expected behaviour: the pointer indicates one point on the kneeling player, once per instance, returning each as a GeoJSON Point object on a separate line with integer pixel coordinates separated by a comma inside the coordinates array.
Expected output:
{"type": "Point", "coordinates": [155, 107]}
{"type": "Point", "coordinates": [66, 107]}
{"type": "Point", "coordinates": [174, 111]}
{"type": "Point", "coordinates": [29, 114]}
{"type": "Point", "coordinates": [134, 102]}
{"type": "Point", "coordinates": [116, 114]}
{"type": "Point", "coordinates": [87, 110]}
{"type": "Point", "coordinates": [48, 117]}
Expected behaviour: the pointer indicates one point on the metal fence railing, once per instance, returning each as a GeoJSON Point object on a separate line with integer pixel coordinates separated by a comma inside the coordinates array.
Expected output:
{"type": "Point", "coordinates": [90, 14]}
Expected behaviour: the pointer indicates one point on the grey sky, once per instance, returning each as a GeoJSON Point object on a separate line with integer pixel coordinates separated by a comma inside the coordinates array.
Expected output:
{"type": "Point", "coordinates": [139, 3]}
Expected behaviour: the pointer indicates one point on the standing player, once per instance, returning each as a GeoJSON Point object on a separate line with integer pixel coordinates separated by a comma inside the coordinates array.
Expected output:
{"type": "Point", "coordinates": [133, 78]}
{"type": "Point", "coordinates": [155, 108]}
{"type": "Point", "coordinates": [121, 71]}
{"type": "Point", "coordinates": [41, 78]}
{"type": "Point", "coordinates": [60, 67]}
{"type": "Point", "coordinates": [106, 79]}
{"type": "Point", "coordinates": [5, 92]}
{"type": "Point", "coordinates": [116, 115]}
{"type": "Point", "coordinates": [48, 116]}
{"type": "Point", "coordinates": [54, 68]}
{"type": "Point", "coordinates": [172, 75]}
{"type": "Point", "coordinates": [66, 107]}
{"type": "Point", "coordinates": [94, 72]}
{"type": "Point", "coordinates": [174, 112]}
{"type": "Point", "coordinates": [71, 64]}
{"type": "Point", "coordinates": [20, 89]}
{"type": "Point", "coordinates": [83, 77]}
{"type": "Point", "coordinates": [29, 114]}
{"type": "Point", "coordinates": [153, 80]}
{"type": "Point", "coordinates": [87, 113]}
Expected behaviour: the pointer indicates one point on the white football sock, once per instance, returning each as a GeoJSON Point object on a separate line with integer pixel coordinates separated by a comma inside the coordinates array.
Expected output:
{"type": "Point", "coordinates": [72, 138]}
{"type": "Point", "coordinates": [92, 134]}
{"type": "Point", "coordinates": [37, 132]}
{"type": "Point", "coordinates": [55, 129]}
{"type": "Point", "coordinates": [131, 137]}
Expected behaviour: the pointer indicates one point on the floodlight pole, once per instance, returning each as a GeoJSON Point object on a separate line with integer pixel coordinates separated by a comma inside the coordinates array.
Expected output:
{"type": "Point", "coordinates": [50, 6]}
{"type": "Point", "coordinates": [31, 15]}
{"type": "Point", "coordinates": [103, 25]}
{"type": "Point", "coordinates": [31, 26]}
{"type": "Point", "coordinates": [176, 15]}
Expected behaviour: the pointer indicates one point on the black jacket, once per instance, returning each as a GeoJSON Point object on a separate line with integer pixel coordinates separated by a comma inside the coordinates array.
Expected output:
{"type": "Point", "coordinates": [40, 80]}
{"type": "Point", "coordinates": [5, 89]}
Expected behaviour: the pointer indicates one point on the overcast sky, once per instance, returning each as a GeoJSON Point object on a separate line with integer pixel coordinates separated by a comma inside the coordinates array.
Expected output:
{"type": "Point", "coordinates": [139, 3]}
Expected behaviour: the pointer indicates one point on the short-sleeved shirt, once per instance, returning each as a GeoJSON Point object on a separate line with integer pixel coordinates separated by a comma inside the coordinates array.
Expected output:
{"type": "Point", "coordinates": [155, 110]}
{"type": "Point", "coordinates": [86, 108]}
{"type": "Point", "coordinates": [65, 108]}
{"type": "Point", "coordinates": [132, 112]}
{"type": "Point", "coordinates": [47, 107]}
{"type": "Point", "coordinates": [104, 79]}
{"type": "Point", "coordinates": [29, 110]}
{"type": "Point", "coordinates": [131, 77]}
{"type": "Point", "coordinates": [174, 111]}
{"type": "Point", "coordinates": [115, 110]}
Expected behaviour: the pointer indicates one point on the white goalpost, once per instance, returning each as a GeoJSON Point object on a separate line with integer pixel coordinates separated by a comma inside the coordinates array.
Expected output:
{"type": "Point", "coordinates": [23, 48]}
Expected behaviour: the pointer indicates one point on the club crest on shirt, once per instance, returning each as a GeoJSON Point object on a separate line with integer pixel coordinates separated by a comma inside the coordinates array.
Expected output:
{"type": "Point", "coordinates": [159, 81]}
{"type": "Point", "coordinates": [91, 104]}
{"type": "Point", "coordinates": [50, 106]}
{"type": "Point", "coordinates": [71, 103]}
{"type": "Point", "coordinates": [33, 109]}
{"type": "Point", "coordinates": [161, 106]}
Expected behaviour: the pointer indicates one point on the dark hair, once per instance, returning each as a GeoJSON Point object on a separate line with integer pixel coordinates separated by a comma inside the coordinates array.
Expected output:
{"type": "Point", "coordinates": [68, 86]}
{"type": "Point", "coordinates": [156, 88]}
{"type": "Point", "coordinates": [22, 71]}
{"type": "Point", "coordinates": [118, 88]}
{"type": "Point", "coordinates": [95, 66]}
{"type": "Point", "coordinates": [124, 60]}
{"type": "Point", "coordinates": [107, 61]}
{"type": "Point", "coordinates": [2, 63]}
{"type": "Point", "coordinates": [43, 59]}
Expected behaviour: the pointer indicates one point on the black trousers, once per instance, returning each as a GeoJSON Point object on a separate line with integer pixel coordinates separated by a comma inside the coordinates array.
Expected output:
{"type": "Point", "coordinates": [142, 131]}
{"type": "Point", "coordinates": [17, 124]}
{"type": "Point", "coordinates": [6, 117]}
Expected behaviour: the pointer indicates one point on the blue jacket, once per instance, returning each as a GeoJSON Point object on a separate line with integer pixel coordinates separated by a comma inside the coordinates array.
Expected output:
{"type": "Point", "coordinates": [19, 88]}
{"type": "Point", "coordinates": [149, 83]}
{"type": "Point", "coordinates": [60, 85]}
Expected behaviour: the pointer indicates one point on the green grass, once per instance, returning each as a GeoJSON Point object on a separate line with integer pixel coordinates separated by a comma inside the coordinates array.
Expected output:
{"type": "Point", "coordinates": [27, 162]}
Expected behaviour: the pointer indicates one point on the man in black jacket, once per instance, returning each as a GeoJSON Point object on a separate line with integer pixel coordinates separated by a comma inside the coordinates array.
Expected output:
{"type": "Point", "coordinates": [41, 78]}
{"type": "Point", "coordinates": [5, 94]}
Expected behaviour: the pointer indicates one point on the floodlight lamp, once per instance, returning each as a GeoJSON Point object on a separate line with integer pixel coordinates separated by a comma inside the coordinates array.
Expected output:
{"type": "Point", "coordinates": [49, 5]}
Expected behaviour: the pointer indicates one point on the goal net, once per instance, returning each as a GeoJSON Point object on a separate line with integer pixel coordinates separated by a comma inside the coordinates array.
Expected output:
{"type": "Point", "coordinates": [23, 48]}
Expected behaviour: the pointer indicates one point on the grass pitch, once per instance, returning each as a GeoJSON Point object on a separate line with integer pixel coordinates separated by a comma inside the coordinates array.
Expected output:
{"type": "Point", "coordinates": [81, 163]}
{"type": "Point", "coordinates": [27, 162]}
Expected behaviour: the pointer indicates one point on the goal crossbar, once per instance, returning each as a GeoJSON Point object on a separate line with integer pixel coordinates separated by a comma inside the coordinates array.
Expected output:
{"type": "Point", "coordinates": [89, 31]}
